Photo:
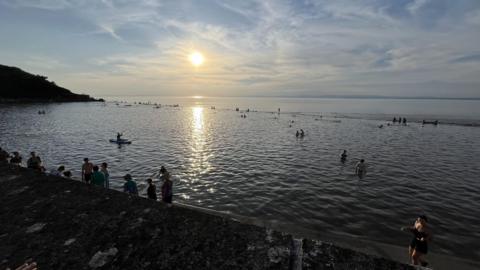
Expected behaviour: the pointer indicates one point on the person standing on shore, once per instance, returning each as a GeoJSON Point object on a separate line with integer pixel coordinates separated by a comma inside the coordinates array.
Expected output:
{"type": "Point", "coordinates": [167, 190]}
{"type": "Point", "coordinates": [98, 178]}
{"type": "Point", "coordinates": [104, 170]}
{"type": "Point", "coordinates": [151, 190]}
{"type": "Point", "coordinates": [361, 169]}
{"type": "Point", "coordinates": [87, 170]}
{"type": "Point", "coordinates": [419, 245]}
{"type": "Point", "coordinates": [130, 186]}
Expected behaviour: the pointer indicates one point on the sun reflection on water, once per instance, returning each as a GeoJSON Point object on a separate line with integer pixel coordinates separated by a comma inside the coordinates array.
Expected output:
{"type": "Point", "coordinates": [200, 154]}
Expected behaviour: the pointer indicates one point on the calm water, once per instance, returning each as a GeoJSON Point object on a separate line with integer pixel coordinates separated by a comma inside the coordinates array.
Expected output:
{"type": "Point", "coordinates": [257, 168]}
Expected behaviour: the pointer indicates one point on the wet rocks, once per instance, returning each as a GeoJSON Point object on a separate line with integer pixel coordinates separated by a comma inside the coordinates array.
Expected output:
{"type": "Point", "coordinates": [101, 258]}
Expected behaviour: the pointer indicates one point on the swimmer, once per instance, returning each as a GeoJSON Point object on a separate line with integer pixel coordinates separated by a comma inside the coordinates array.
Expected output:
{"type": "Point", "coordinates": [361, 169]}
{"type": "Point", "coordinates": [302, 133]}
{"type": "Point", "coordinates": [297, 134]}
{"type": "Point", "coordinates": [343, 157]}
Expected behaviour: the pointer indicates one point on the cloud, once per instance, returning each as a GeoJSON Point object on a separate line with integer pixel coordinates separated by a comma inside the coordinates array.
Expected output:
{"type": "Point", "coordinates": [416, 5]}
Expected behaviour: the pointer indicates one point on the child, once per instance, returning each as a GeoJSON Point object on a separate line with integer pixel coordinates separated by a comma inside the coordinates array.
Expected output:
{"type": "Point", "coordinates": [151, 190]}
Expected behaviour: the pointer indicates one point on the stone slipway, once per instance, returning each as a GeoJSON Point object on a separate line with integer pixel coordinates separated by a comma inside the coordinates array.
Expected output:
{"type": "Point", "coordinates": [65, 224]}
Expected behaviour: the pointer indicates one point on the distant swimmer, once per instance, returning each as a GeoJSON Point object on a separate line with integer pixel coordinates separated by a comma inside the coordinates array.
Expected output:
{"type": "Point", "coordinates": [380, 126]}
{"type": "Point", "coordinates": [394, 120]}
{"type": "Point", "coordinates": [404, 121]}
{"type": "Point", "coordinates": [361, 169]}
{"type": "Point", "coordinates": [343, 157]}
{"type": "Point", "coordinates": [297, 134]}
{"type": "Point", "coordinates": [302, 133]}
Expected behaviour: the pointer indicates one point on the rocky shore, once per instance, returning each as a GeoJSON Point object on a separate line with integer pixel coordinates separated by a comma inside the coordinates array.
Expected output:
{"type": "Point", "coordinates": [65, 224]}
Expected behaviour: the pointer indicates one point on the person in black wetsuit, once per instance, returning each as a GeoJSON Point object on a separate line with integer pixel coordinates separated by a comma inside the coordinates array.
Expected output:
{"type": "Point", "coordinates": [419, 245]}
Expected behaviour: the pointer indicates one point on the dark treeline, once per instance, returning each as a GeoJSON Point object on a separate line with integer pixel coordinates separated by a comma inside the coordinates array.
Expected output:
{"type": "Point", "coordinates": [18, 85]}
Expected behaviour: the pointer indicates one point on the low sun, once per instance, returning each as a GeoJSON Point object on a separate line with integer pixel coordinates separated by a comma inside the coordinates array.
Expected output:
{"type": "Point", "coordinates": [196, 59]}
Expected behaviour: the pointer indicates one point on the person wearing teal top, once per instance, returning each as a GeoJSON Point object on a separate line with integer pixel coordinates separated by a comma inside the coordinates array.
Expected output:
{"type": "Point", "coordinates": [98, 178]}
{"type": "Point", "coordinates": [130, 186]}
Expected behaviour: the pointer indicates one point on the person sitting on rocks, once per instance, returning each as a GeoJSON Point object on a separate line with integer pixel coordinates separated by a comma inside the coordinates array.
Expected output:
{"type": "Point", "coordinates": [130, 186]}
{"type": "Point", "coordinates": [151, 190]}
{"type": "Point", "coordinates": [34, 162]}
{"type": "Point", "coordinates": [16, 159]}
{"type": "Point", "coordinates": [59, 171]}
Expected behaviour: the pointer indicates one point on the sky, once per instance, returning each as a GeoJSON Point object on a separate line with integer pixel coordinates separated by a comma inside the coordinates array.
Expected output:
{"type": "Point", "coordinates": [250, 47]}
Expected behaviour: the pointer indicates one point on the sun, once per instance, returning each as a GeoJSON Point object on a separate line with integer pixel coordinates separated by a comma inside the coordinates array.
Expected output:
{"type": "Point", "coordinates": [196, 59]}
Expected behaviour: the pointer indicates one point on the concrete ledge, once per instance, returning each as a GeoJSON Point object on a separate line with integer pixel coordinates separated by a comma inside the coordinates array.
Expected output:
{"type": "Point", "coordinates": [65, 224]}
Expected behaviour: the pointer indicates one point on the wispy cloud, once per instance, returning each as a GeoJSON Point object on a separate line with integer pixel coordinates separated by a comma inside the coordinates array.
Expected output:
{"type": "Point", "coordinates": [270, 46]}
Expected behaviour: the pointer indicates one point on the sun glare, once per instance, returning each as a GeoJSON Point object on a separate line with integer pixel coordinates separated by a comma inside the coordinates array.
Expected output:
{"type": "Point", "coordinates": [196, 59]}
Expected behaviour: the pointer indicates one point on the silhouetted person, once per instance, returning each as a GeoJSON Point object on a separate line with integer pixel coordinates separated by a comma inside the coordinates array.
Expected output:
{"type": "Point", "coordinates": [361, 168]}
{"type": "Point", "coordinates": [343, 157]}
{"type": "Point", "coordinates": [405, 121]}
{"type": "Point", "coordinates": [297, 134]}
{"type": "Point", "coordinates": [394, 120]}
{"type": "Point", "coordinates": [34, 162]}
{"type": "Point", "coordinates": [151, 190]}
{"type": "Point", "coordinates": [16, 159]}
{"type": "Point", "coordinates": [87, 170]}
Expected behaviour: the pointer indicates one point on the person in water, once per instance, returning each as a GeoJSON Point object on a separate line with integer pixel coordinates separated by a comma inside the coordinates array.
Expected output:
{"type": "Point", "coordinates": [98, 178]}
{"type": "Point", "coordinates": [404, 121]}
{"type": "Point", "coordinates": [130, 186]}
{"type": "Point", "coordinates": [87, 170]}
{"type": "Point", "coordinates": [297, 134]}
{"type": "Point", "coordinates": [361, 168]}
{"type": "Point", "coordinates": [343, 157]}
{"type": "Point", "coordinates": [151, 190]}
{"type": "Point", "coordinates": [419, 245]}
{"type": "Point", "coordinates": [104, 170]}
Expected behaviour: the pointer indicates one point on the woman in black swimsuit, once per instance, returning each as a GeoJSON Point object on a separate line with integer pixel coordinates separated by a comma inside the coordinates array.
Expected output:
{"type": "Point", "coordinates": [419, 245]}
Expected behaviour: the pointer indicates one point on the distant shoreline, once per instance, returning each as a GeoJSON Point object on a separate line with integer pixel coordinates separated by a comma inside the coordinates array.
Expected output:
{"type": "Point", "coordinates": [301, 97]}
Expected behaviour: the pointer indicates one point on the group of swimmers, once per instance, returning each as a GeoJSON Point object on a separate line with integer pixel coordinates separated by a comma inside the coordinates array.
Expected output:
{"type": "Point", "coordinates": [300, 134]}
{"type": "Point", "coordinates": [360, 167]}
{"type": "Point", "coordinates": [400, 120]}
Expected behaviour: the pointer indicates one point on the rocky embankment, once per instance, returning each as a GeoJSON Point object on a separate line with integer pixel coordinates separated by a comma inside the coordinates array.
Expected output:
{"type": "Point", "coordinates": [65, 224]}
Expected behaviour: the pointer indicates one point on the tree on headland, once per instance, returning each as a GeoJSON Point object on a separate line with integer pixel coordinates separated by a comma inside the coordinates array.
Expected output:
{"type": "Point", "coordinates": [18, 85]}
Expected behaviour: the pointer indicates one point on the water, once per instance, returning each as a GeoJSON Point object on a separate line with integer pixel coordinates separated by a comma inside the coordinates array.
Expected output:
{"type": "Point", "coordinates": [257, 168]}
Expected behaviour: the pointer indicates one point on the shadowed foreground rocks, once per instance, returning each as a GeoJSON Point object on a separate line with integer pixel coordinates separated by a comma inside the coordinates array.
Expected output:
{"type": "Point", "coordinates": [65, 224]}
